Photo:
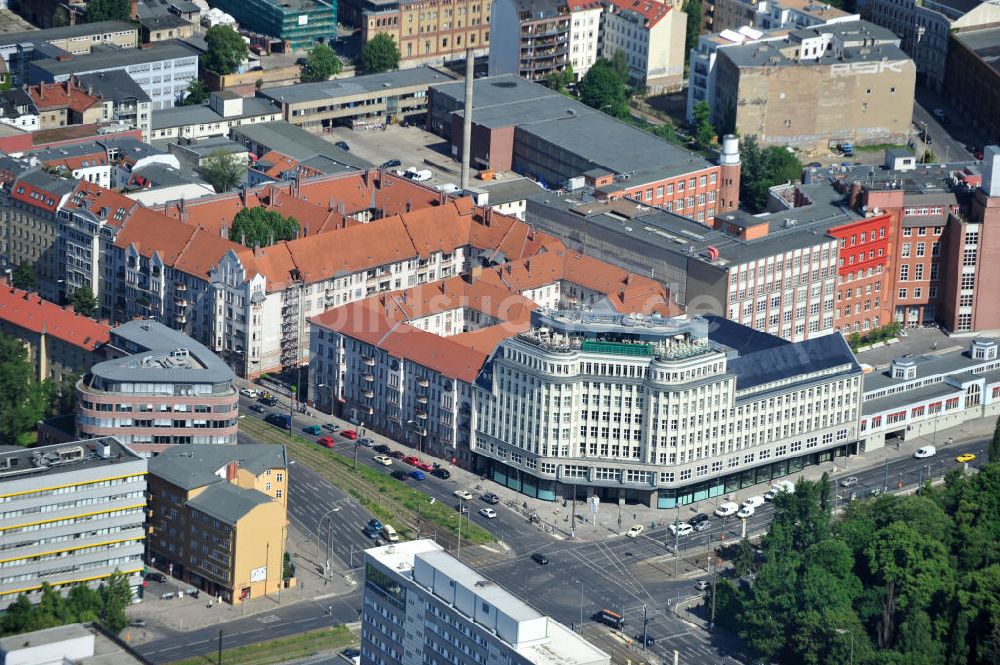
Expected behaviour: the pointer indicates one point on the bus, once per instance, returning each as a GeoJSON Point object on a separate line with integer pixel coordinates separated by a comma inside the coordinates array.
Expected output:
{"type": "Point", "coordinates": [609, 618]}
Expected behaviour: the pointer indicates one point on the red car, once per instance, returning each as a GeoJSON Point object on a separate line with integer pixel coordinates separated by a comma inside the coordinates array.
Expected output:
{"type": "Point", "coordinates": [411, 460]}
{"type": "Point", "coordinates": [325, 441]}
{"type": "Point", "coordinates": [424, 466]}
{"type": "Point", "coordinates": [349, 434]}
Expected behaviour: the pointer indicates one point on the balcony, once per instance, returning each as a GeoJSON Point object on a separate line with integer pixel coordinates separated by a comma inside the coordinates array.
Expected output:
{"type": "Point", "coordinates": [369, 360]}
{"type": "Point", "coordinates": [367, 394]}
{"type": "Point", "coordinates": [423, 383]}
{"type": "Point", "coordinates": [421, 414]}
{"type": "Point", "coordinates": [180, 286]}
{"type": "Point", "coordinates": [368, 377]}
{"type": "Point", "coordinates": [182, 318]}
{"type": "Point", "coordinates": [181, 302]}
{"type": "Point", "coordinates": [422, 399]}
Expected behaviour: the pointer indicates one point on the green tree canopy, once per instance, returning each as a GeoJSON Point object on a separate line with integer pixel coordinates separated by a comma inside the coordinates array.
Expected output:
{"type": "Point", "coordinates": [24, 277]}
{"type": "Point", "coordinates": [380, 54]}
{"type": "Point", "coordinates": [262, 227]}
{"type": "Point", "coordinates": [693, 10]}
{"type": "Point", "coordinates": [763, 169]}
{"type": "Point", "coordinates": [222, 170]}
{"type": "Point", "coordinates": [994, 449]}
{"type": "Point", "coordinates": [197, 93]}
{"type": "Point", "coordinates": [23, 399]}
{"type": "Point", "coordinates": [84, 301]}
{"type": "Point", "coordinates": [321, 64]}
{"type": "Point", "coordinates": [704, 132]}
{"type": "Point", "coordinates": [116, 596]}
{"type": "Point", "coordinates": [560, 81]}
{"type": "Point", "coordinates": [604, 89]}
{"type": "Point", "coordinates": [226, 50]}
{"type": "Point", "coordinates": [108, 10]}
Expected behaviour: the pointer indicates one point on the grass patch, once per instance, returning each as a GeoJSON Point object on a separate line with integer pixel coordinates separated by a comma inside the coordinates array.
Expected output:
{"type": "Point", "coordinates": [279, 650]}
{"type": "Point", "coordinates": [878, 147]}
{"type": "Point", "coordinates": [390, 500]}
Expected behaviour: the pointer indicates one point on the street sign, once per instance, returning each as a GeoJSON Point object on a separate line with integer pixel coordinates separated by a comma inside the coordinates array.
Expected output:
{"type": "Point", "coordinates": [595, 503]}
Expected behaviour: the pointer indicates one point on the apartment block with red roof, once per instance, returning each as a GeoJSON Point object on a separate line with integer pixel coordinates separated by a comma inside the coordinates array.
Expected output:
{"type": "Point", "coordinates": [61, 343]}
{"type": "Point", "coordinates": [651, 34]}
{"type": "Point", "coordinates": [62, 104]}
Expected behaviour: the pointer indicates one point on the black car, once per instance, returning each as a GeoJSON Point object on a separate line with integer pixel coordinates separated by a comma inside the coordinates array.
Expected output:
{"type": "Point", "coordinates": [400, 475]}
{"type": "Point", "coordinates": [540, 559]}
{"type": "Point", "coordinates": [257, 408]}
{"type": "Point", "coordinates": [441, 473]}
{"type": "Point", "coordinates": [137, 623]}
{"type": "Point", "coordinates": [382, 449]}
{"type": "Point", "coordinates": [397, 454]}
{"type": "Point", "coordinates": [392, 163]}
{"type": "Point", "coordinates": [268, 401]}
{"type": "Point", "coordinates": [491, 498]}
{"type": "Point", "coordinates": [698, 519]}
{"type": "Point", "coordinates": [343, 145]}
{"type": "Point", "coordinates": [156, 577]}
{"type": "Point", "coordinates": [649, 640]}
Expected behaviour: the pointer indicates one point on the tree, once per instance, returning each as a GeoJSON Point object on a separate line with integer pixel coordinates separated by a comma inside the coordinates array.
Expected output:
{"type": "Point", "coordinates": [109, 10]}
{"type": "Point", "coordinates": [116, 596]}
{"type": "Point", "coordinates": [262, 227]}
{"type": "Point", "coordinates": [603, 89]}
{"type": "Point", "coordinates": [23, 399]}
{"type": "Point", "coordinates": [693, 10]}
{"type": "Point", "coordinates": [763, 169]}
{"type": "Point", "coordinates": [222, 170]}
{"type": "Point", "coordinates": [704, 131]}
{"type": "Point", "coordinates": [24, 277]}
{"type": "Point", "coordinates": [380, 54]}
{"type": "Point", "coordinates": [84, 301]}
{"type": "Point", "coordinates": [560, 81]}
{"type": "Point", "coordinates": [929, 156]}
{"type": "Point", "coordinates": [321, 64]}
{"type": "Point", "coordinates": [197, 93]}
{"type": "Point", "coordinates": [619, 62]}
{"type": "Point", "coordinates": [743, 563]}
{"type": "Point", "coordinates": [994, 449]}
{"type": "Point", "coordinates": [226, 50]}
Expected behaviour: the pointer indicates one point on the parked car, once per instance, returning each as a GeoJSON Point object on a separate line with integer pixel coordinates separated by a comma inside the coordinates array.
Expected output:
{"type": "Point", "coordinates": [649, 640]}
{"type": "Point", "coordinates": [777, 488]}
{"type": "Point", "coordinates": [325, 441]}
{"type": "Point", "coordinates": [249, 392]}
{"type": "Point", "coordinates": [418, 475]}
{"type": "Point", "coordinates": [488, 513]}
{"type": "Point", "coordinates": [754, 501]}
{"type": "Point", "coordinates": [698, 519]}
{"type": "Point", "coordinates": [849, 481]}
{"type": "Point", "coordinates": [701, 585]}
{"type": "Point", "coordinates": [390, 164]}
{"type": "Point", "coordinates": [681, 529]}
{"type": "Point", "coordinates": [137, 623]}
{"type": "Point", "coordinates": [465, 495]}
{"type": "Point", "coordinates": [745, 512]}
{"type": "Point", "coordinates": [366, 442]}
{"type": "Point", "coordinates": [315, 430]}
{"type": "Point", "coordinates": [397, 454]}
{"type": "Point", "coordinates": [491, 498]}
{"type": "Point", "coordinates": [424, 466]}
{"type": "Point", "coordinates": [331, 427]}
{"type": "Point", "coordinates": [634, 531]}
{"type": "Point", "coordinates": [540, 559]}
{"type": "Point", "coordinates": [384, 460]}
{"type": "Point", "coordinates": [257, 408]}
{"type": "Point", "coordinates": [443, 474]}
{"type": "Point", "coordinates": [965, 457]}
{"type": "Point", "coordinates": [727, 509]}
{"type": "Point", "coordinates": [412, 460]}
{"type": "Point", "coordinates": [349, 434]}
{"type": "Point", "coordinates": [156, 577]}
{"type": "Point", "coordinates": [926, 451]}
{"type": "Point", "coordinates": [382, 449]}
{"type": "Point", "coordinates": [702, 526]}
{"type": "Point", "coordinates": [268, 401]}
{"type": "Point", "coordinates": [343, 145]}
{"type": "Point", "coordinates": [400, 475]}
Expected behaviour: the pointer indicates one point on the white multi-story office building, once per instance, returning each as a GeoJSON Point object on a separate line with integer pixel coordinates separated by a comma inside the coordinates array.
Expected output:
{"type": "Point", "coordinates": [659, 410]}
{"type": "Point", "coordinates": [421, 605]}
{"type": "Point", "coordinates": [584, 34]}
{"type": "Point", "coordinates": [73, 513]}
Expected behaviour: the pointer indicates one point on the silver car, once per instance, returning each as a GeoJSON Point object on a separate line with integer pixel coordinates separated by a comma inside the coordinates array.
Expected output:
{"type": "Point", "coordinates": [849, 481]}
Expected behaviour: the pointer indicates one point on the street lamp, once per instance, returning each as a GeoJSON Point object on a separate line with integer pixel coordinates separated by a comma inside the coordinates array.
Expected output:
{"type": "Point", "coordinates": [841, 631]}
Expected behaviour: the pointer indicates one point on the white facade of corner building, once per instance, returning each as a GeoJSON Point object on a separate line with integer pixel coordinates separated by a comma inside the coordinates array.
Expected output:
{"type": "Point", "coordinates": [648, 428]}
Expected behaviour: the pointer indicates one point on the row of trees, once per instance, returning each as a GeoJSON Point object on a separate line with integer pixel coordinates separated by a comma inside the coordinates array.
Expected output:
{"type": "Point", "coordinates": [901, 579]}
{"type": "Point", "coordinates": [24, 400]}
{"type": "Point", "coordinates": [105, 605]}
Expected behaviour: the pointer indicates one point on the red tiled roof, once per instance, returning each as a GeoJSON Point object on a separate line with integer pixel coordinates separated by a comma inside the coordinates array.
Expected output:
{"type": "Point", "coordinates": [111, 205]}
{"type": "Point", "coordinates": [47, 96]}
{"type": "Point", "coordinates": [28, 311]}
{"type": "Point", "coordinates": [651, 10]}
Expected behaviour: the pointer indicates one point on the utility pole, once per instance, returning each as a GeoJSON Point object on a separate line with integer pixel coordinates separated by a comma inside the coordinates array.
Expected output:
{"type": "Point", "coordinates": [219, 661]}
{"type": "Point", "coordinates": [645, 620]}
{"type": "Point", "coordinates": [572, 525]}
{"type": "Point", "coordinates": [715, 580]}
{"type": "Point", "coordinates": [459, 555]}
{"type": "Point", "coordinates": [677, 537]}
{"type": "Point", "coordinates": [885, 482]}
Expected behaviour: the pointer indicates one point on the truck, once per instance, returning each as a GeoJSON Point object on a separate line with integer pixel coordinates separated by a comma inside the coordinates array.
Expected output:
{"type": "Point", "coordinates": [847, 147]}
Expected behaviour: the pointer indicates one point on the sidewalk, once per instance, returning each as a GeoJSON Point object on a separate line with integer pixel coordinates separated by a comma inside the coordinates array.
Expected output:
{"type": "Point", "coordinates": [167, 617]}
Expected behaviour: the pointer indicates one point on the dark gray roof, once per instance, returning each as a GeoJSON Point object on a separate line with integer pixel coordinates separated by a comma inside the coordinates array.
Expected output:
{"type": "Point", "coordinates": [210, 143]}
{"type": "Point", "coordinates": [297, 143]}
{"type": "Point", "coordinates": [789, 360]}
{"type": "Point", "coordinates": [47, 460]}
{"type": "Point", "coordinates": [52, 34]}
{"type": "Point", "coordinates": [984, 43]}
{"type": "Point", "coordinates": [164, 175]}
{"type": "Point", "coordinates": [928, 365]}
{"type": "Point", "coordinates": [228, 503]}
{"type": "Point", "coordinates": [908, 397]}
{"type": "Point", "coordinates": [163, 21]}
{"type": "Point", "coordinates": [148, 8]}
{"type": "Point", "coordinates": [507, 191]}
{"type": "Point", "coordinates": [740, 338]}
{"type": "Point", "coordinates": [150, 344]}
{"type": "Point", "coordinates": [114, 85]}
{"type": "Point", "coordinates": [191, 466]}
{"type": "Point", "coordinates": [202, 114]}
{"type": "Point", "coordinates": [102, 58]}
{"type": "Point", "coordinates": [50, 183]}
{"type": "Point", "coordinates": [358, 85]}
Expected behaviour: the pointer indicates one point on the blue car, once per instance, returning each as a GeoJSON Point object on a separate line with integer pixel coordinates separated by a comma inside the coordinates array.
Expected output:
{"type": "Point", "coordinates": [417, 475]}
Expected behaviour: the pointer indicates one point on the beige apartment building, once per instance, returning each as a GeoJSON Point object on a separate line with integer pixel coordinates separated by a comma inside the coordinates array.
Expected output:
{"type": "Point", "coordinates": [426, 31]}
{"type": "Point", "coordinates": [835, 82]}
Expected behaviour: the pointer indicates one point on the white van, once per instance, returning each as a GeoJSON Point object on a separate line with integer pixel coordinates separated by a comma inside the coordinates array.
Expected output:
{"type": "Point", "coordinates": [727, 509]}
{"type": "Point", "coordinates": [926, 451]}
{"type": "Point", "coordinates": [779, 487]}
{"type": "Point", "coordinates": [389, 534]}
